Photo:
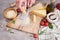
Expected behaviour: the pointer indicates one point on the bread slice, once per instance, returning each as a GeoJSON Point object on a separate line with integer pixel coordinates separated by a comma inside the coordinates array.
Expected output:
{"type": "Point", "coordinates": [38, 10]}
{"type": "Point", "coordinates": [37, 6]}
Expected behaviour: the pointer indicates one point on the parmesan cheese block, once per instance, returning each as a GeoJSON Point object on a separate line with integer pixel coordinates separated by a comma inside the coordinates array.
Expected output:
{"type": "Point", "coordinates": [38, 10]}
{"type": "Point", "coordinates": [41, 13]}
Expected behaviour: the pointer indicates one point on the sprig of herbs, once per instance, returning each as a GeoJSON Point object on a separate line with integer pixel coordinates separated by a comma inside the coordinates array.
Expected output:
{"type": "Point", "coordinates": [13, 21]}
{"type": "Point", "coordinates": [41, 32]}
{"type": "Point", "coordinates": [50, 26]}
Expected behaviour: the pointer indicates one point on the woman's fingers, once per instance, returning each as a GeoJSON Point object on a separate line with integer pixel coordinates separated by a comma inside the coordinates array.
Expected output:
{"type": "Point", "coordinates": [22, 4]}
{"type": "Point", "coordinates": [31, 2]}
{"type": "Point", "coordinates": [17, 3]}
{"type": "Point", "coordinates": [28, 2]}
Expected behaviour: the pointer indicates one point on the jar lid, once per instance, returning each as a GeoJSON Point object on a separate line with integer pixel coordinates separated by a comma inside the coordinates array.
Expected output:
{"type": "Point", "coordinates": [51, 17]}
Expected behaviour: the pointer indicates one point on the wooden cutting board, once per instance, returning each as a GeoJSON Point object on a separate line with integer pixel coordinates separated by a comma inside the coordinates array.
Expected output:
{"type": "Point", "coordinates": [33, 27]}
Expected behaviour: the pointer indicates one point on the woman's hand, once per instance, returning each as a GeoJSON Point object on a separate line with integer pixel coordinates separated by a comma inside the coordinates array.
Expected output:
{"type": "Point", "coordinates": [22, 4]}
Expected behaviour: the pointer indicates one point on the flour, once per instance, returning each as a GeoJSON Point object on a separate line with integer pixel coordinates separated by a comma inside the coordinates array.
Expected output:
{"type": "Point", "coordinates": [11, 14]}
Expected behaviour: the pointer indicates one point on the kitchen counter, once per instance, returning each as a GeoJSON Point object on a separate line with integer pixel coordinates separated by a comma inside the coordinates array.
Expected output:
{"type": "Point", "coordinates": [13, 34]}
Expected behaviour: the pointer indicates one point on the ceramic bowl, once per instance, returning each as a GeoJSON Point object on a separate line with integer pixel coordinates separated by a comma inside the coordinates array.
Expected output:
{"type": "Point", "coordinates": [9, 9]}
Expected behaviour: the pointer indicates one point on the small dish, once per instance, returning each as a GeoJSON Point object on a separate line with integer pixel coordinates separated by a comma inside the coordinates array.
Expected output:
{"type": "Point", "coordinates": [52, 17]}
{"type": "Point", "coordinates": [10, 13]}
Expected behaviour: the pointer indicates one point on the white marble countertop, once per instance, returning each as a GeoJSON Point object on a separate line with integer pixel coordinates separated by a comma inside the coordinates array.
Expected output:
{"type": "Point", "coordinates": [17, 35]}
